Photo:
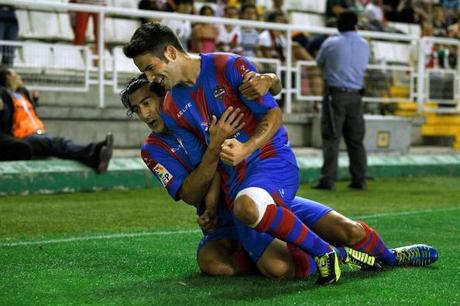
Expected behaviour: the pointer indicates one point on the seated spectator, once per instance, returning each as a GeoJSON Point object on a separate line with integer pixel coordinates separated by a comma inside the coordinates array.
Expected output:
{"type": "Point", "coordinates": [440, 24]}
{"type": "Point", "coordinates": [23, 135]}
{"type": "Point", "coordinates": [273, 43]}
{"type": "Point", "coordinates": [229, 38]}
{"type": "Point", "coordinates": [150, 5]}
{"type": "Point", "coordinates": [204, 35]}
{"type": "Point", "coordinates": [8, 31]}
{"type": "Point", "coordinates": [453, 30]}
{"type": "Point", "coordinates": [182, 28]}
{"type": "Point", "coordinates": [81, 23]}
{"type": "Point", "coordinates": [249, 35]}
{"type": "Point", "coordinates": [375, 10]}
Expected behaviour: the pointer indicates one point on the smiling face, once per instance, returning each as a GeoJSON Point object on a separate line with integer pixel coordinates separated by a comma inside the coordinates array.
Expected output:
{"type": "Point", "coordinates": [165, 72]}
{"type": "Point", "coordinates": [147, 106]}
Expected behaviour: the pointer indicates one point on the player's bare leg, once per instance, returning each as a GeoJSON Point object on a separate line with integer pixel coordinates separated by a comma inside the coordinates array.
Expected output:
{"type": "Point", "coordinates": [224, 257]}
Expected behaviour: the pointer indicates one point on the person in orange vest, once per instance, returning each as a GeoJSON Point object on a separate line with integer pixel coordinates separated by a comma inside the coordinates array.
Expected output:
{"type": "Point", "coordinates": [23, 135]}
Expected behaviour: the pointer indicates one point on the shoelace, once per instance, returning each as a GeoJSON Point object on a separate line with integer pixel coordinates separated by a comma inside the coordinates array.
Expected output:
{"type": "Point", "coordinates": [405, 256]}
{"type": "Point", "coordinates": [323, 264]}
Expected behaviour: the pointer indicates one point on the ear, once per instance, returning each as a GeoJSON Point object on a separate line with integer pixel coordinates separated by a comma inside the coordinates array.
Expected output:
{"type": "Point", "coordinates": [171, 53]}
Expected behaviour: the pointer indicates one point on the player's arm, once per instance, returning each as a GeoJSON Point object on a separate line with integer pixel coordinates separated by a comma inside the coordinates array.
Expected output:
{"type": "Point", "coordinates": [196, 185]}
{"type": "Point", "coordinates": [256, 85]}
{"type": "Point", "coordinates": [233, 151]}
{"type": "Point", "coordinates": [208, 219]}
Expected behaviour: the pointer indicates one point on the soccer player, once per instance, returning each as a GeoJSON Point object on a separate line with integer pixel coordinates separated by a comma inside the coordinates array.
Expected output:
{"type": "Point", "coordinates": [172, 164]}
{"type": "Point", "coordinates": [205, 86]}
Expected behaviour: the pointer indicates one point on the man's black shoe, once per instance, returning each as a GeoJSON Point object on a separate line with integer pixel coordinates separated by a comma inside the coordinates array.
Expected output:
{"type": "Point", "coordinates": [324, 186]}
{"type": "Point", "coordinates": [105, 154]}
{"type": "Point", "coordinates": [358, 185]}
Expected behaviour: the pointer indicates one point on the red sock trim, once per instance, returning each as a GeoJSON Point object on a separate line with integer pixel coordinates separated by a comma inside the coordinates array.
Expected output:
{"type": "Point", "coordinates": [267, 218]}
{"type": "Point", "coordinates": [300, 259]}
{"type": "Point", "coordinates": [368, 231]}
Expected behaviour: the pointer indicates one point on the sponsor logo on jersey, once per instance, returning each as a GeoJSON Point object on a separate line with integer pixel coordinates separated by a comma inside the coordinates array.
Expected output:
{"type": "Point", "coordinates": [163, 174]}
{"type": "Point", "coordinates": [184, 109]}
{"type": "Point", "coordinates": [219, 93]}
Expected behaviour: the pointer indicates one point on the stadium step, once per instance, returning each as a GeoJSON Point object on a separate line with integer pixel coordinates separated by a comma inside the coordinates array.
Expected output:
{"type": "Point", "coordinates": [57, 176]}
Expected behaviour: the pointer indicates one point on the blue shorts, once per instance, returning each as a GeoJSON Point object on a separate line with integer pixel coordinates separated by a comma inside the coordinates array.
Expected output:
{"type": "Point", "coordinates": [279, 177]}
{"type": "Point", "coordinates": [308, 211]}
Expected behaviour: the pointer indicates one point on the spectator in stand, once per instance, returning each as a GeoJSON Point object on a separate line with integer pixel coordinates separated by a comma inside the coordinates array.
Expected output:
{"type": "Point", "coordinates": [375, 10]}
{"type": "Point", "coordinates": [204, 35]}
{"type": "Point", "coordinates": [440, 24]}
{"type": "Point", "coordinates": [454, 30]}
{"type": "Point", "coordinates": [9, 30]}
{"type": "Point", "coordinates": [81, 23]}
{"type": "Point", "coordinates": [182, 28]}
{"type": "Point", "coordinates": [23, 135]}
{"type": "Point", "coordinates": [249, 35]}
{"type": "Point", "coordinates": [150, 5]}
{"type": "Point", "coordinates": [273, 43]}
{"type": "Point", "coordinates": [229, 38]}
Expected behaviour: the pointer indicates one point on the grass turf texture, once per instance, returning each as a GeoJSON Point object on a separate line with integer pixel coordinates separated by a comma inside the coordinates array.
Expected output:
{"type": "Point", "coordinates": [160, 269]}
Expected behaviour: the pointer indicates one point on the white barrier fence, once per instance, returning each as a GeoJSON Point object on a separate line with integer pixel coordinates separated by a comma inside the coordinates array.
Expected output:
{"type": "Point", "coordinates": [394, 57]}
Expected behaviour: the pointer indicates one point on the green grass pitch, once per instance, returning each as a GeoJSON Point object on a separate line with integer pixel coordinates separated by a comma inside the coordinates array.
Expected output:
{"type": "Point", "coordinates": [138, 247]}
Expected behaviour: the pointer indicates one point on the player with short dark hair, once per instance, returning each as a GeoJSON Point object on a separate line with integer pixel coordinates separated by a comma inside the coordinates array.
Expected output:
{"type": "Point", "coordinates": [260, 173]}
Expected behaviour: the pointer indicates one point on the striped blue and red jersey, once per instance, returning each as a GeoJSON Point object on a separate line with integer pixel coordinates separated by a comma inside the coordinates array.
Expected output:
{"type": "Point", "coordinates": [168, 160]}
{"type": "Point", "coordinates": [190, 109]}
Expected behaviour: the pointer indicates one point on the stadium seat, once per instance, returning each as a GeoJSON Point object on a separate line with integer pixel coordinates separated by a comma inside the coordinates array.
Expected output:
{"type": "Point", "coordinates": [25, 30]}
{"type": "Point", "coordinates": [65, 29]}
{"type": "Point", "coordinates": [124, 29]}
{"type": "Point", "coordinates": [44, 25]}
{"type": "Point", "coordinates": [125, 3]}
{"type": "Point", "coordinates": [318, 6]}
{"type": "Point", "coordinates": [37, 55]}
{"type": "Point", "coordinates": [68, 57]}
{"type": "Point", "coordinates": [123, 64]}
{"type": "Point", "coordinates": [307, 19]}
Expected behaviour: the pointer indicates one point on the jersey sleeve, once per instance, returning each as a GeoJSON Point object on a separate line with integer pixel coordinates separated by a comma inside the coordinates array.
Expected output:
{"type": "Point", "coordinates": [169, 171]}
{"type": "Point", "coordinates": [235, 70]}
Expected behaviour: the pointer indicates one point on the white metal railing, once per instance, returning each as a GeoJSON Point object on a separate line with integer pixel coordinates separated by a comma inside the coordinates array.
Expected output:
{"type": "Point", "coordinates": [291, 88]}
{"type": "Point", "coordinates": [50, 67]}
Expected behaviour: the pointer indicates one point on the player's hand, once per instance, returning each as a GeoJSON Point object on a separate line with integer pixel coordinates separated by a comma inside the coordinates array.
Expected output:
{"type": "Point", "coordinates": [207, 221]}
{"type": "Point", "coordinates": [227, 126]}
{"type": "Point", "coordinates": [255, 85]}
{"type": "Point", "coordinates": [233, 152]}
{"type": "Point", "coordinates": [1, 105]}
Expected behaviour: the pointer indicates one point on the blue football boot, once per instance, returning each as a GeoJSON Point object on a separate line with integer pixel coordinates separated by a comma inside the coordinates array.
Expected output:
{"type": "Point", "coordinates": [415, 255]}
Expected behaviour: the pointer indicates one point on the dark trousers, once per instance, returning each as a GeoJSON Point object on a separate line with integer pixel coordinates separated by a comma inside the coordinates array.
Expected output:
{"type": "Point", "coordinates": [9, 30]}
{"type": "Point", "coordinates": [342, 115]}
{"type": "Point", "coordinates": [45, 146]}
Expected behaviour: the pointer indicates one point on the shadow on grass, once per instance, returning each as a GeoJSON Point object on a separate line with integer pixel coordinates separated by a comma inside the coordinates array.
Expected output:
{"type": "Point", "coordinates": [198, 289]}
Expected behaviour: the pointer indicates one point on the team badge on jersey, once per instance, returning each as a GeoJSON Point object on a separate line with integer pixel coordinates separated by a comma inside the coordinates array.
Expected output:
{"type": "Point", "coordinates": [163, 174]}
{"type": "Point", "coordinates": [219, 93]}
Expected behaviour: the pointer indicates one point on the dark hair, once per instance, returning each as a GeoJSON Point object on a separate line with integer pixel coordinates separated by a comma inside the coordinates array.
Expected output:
{"type": "Point", "coordinates": [154, 38]}
{"type": "Point", "coordinates": [244, 7]}
{"type": "Point", "coordinates": [178, 2]}
{"type": "Point", "coordinates": [347, 21]}
{"type": "Point", "coordinates": [4, 72]}
{"type": "Point", "coordinates": [204, 8]}
{"type": "Point", "coordinates": [271, 17]}
{"type": "Point", "coordinates": [133, 85]}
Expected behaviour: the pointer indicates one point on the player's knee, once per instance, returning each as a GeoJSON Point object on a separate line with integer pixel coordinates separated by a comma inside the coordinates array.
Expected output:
{"type": "Point", "coordinates": [278, 269]}
{"type": "Point", "coordinates": [353, 232]}
{"type": "Point", "coordinates": [215, 268]}
{"type": "Point", "coordinates": [246, 210]}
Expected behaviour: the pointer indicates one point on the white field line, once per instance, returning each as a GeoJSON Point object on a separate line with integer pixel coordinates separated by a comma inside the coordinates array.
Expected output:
{"type": "Point", "coordinates": [165, 233]}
